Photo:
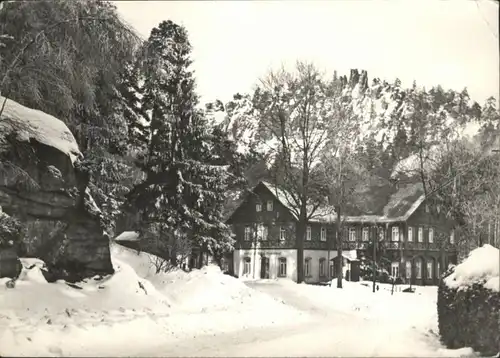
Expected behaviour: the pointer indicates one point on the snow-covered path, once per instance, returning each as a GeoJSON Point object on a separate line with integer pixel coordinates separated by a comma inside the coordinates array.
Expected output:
{"type": "Point", "coordinates": [136, 312]}
{"type": "Point", "coordinates": [332, 331]}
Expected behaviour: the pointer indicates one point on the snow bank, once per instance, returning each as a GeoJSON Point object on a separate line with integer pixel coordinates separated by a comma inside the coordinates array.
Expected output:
{"type": "Point", "coordinates": [128, 236]}
{"type": "Point", "coordinates": [482, 266]}
{"type": "Point", "coordinates": [204, 290]}
{"type": "Point", "coordinates": [51, 319]}
{"type": "Point", "coordinates": [130, 311]}
{"type": "Point", "coordinates": [40, 126]}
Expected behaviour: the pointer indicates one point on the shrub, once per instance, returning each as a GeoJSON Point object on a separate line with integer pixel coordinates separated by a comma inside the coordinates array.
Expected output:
{"type": "Point", "coordinates": [469, 309]}
{"type": "Point", "coordinates": [11, 232]}
{"type": "Point", "coordinates": [11, 245]}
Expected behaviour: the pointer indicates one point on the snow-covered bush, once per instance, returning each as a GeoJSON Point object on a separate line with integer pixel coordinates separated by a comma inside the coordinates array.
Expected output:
{"type": "Point", "coordinates": [469, 302]}
{"type": "Point", "coordinates": [11, 245]}
{"type": "Point", "coordinates": [11, 232]}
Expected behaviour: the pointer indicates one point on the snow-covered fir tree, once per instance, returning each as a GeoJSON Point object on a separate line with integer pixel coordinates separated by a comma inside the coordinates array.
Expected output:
{"type": "Point", "coordinates": [131, 91]}
{"type": "Point", "coordinates": [180, 202]}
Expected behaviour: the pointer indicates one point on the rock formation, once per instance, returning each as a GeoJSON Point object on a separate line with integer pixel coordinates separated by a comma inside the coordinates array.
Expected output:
{"type": "Point", "coordinates": [41, 185]}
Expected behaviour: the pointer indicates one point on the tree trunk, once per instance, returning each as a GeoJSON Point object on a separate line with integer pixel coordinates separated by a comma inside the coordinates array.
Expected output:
{"type": "Point", "coordinates": [173, 251]}
{"type": "Point", "coordinates": [328, 259]}
{"type": "Point", "coordinates": [340, 260]}
{"type": "Point", "coordinates": [300, 231]}
{"type": "Point", "coordinates": [374, 259]}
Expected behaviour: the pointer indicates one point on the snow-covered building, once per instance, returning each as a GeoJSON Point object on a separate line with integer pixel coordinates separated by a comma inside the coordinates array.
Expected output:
{"type": "Point", "coordinates": [417, 241]}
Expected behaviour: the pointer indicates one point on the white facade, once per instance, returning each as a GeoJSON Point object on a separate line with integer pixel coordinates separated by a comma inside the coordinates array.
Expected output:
{"type": "Point", "coordinates": [253, 259]}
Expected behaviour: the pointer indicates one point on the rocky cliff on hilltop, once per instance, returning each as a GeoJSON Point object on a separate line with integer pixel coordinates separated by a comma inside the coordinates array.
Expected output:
{"type": "Point", "coordinates": [389, 114]}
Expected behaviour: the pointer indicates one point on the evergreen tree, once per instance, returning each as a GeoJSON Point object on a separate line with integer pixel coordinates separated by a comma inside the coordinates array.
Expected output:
{"type": "Point", "coordinates": [181, 199]}
{"type": "Point", "coordinates": [131, 92]}
{"type": "Point", "coordinates": [64, 58]}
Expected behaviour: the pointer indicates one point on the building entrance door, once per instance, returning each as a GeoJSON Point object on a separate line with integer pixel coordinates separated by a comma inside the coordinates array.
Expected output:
{"type": "Point", "coordinates": [264, 267]}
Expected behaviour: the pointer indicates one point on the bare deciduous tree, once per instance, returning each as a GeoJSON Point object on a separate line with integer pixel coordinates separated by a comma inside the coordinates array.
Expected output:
{"type": "Point", "coordinates": [301, 117]}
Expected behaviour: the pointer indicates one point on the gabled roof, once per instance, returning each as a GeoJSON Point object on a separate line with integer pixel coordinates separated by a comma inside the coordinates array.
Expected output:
{"type": "Point", "coordinates": [324, 213]}
{"type": "Point", "coordinates": [283, 196]}
{"type": "Point", "coordinates": [404, 201]}
{"type": "Point", "coordinates": [378, 203]}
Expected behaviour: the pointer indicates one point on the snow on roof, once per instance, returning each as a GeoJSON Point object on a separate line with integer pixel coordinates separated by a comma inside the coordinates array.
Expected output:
{"type": "Point", "coordinates": [482, 266]}
{"type": "Point", "coordinates": [400, 205]}
{"type": "Point", "coordinates": [351, 255]}
{"type": "Point", "coordinates": [322, 214]}
{"type": "Point", "coordinates": [128, 236]}
{"type": "Point", "coordinates": [411, 165]}
{"type": "Point", "coordinates": [404, 199]}
{"type": "Point", "coordinates": [283, 196]}
{"type": "Point", "coordinates": [40, 126]}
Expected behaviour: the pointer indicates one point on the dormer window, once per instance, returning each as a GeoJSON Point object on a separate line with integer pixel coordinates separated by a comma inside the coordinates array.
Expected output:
{"type": "Point", "coordinates": [258, 207]}
{"type": "Point", "coordinates": [269, 205]}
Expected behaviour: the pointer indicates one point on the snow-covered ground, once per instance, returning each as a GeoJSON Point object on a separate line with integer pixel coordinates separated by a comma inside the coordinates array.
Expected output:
{"type": "Point", "coordinates": [129, 311]}
{"type": "Point", "coordinates": [205, 313]}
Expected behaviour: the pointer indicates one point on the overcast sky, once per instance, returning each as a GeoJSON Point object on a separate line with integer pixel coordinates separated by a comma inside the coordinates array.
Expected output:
{"type": "Point", "coordinates": [449, 42]}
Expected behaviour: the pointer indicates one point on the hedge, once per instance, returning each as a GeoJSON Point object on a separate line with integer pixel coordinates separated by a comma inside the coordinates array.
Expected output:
{"type": "Point", "coordinates": [469, 317]}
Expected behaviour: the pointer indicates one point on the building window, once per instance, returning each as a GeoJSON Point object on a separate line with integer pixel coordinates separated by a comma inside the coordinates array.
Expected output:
{"type": "Point", "coordinates": [395, 269]}
{"type": "Point", "coordinates": [352, 234]}
{"type": "Point", "coordinates": [282, 233]}
{"type": "Point", "coordinates": [323, 234]}
{"type": "Point", "coordinates": [308, 233]}
{"type": "Point", "coordinates": [395, 233]}
{"type": "Point", "coordinates": [262, 232]}
{"type": "Point", "coordinates": [438, 270]}
{"type": "Point", "coordinates": [426, 208]}
{"type": "Point", "coordinates": [269, 205]}
{"type": "Point", "coordinates": [431, 235]}
{"type": "Point", "coordinates": [381, 234]}
{"type": "Point", "coordinates": [429, 269]}
{"type": "Point", "coordinates": [247, 266]}
{"type": "Point", "coordinates": [408, 269]}
{"type": "Point", "coordinates": [366, 234]}
{"type": "Point", "coordinates": [322, 263]}
{"type": "Point", "coordinates": [282, 267]}
{"type": "Point", "coordinates": [258, 207]}
{"type": "Point", "coordinates": [410, 234]}
{"type": "Point", "coordinates": [332, 269]}
{"type": "Point", "coordinates": [420, 234]}
{"type": "Point", "coordinates": [307, 267]}
{"type": "Point", "coordinates": [452, 237]}
{"type": "Point", "coordinates": [418, 267]}
{"type": "Point", "coordinates": [248, 233]}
